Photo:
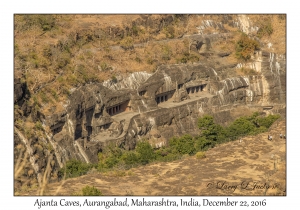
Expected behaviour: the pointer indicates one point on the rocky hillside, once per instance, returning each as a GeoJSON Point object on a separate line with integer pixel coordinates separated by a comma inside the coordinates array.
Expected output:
{"type": "Point", "coordinates": [83, 82]}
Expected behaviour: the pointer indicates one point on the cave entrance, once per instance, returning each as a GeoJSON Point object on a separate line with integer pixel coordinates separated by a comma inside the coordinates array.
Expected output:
{"type": "Point", "coordinates": [163, 97]}
{"type": "Point", "coordinates": [56, 129]}
{"type": "Point", "coordinates": [121, 107]}
{"type": "Point", "coordinates": [196, 89]}
{"type": "Point", "coordinates": [78, 131]}
{"type": "Point", "coordinates": [89, 130]}
{"type": "Point", "coordinates": [142, 93]}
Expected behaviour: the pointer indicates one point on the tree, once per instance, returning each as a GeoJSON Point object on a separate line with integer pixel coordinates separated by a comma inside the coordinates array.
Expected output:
{"type": "Point", "coordinates": [210, 130]}
{"type": "Point", "coordinates": [245, 47]}
{"type": "Point", "coordinates": [241, 126]}
{"type": "Point", "coordinates": [145, 152]}
{"type": "Point", "coordinates": [183, 145]}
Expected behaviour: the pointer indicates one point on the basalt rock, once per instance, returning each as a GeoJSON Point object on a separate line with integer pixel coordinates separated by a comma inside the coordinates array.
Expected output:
{"type": "Point", "coordinates": [155, 107]}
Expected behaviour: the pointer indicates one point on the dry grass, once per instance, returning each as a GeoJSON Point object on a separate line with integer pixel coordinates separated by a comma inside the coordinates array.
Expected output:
{"type": "Point", "coordinates": [278, 37]}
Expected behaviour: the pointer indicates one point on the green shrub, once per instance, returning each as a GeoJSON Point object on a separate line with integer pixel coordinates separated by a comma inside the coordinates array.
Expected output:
{"type": "Point", "coordinates": [111, 161]}
{"type": "Point", "coordinates": [145, 151]}
{"type": "Point", "coordinates": [38, 125]}
{"type": "Point", "coordinates": [203, 144]}
{"type": "Point", "coordinates": [127, 43]}
{"type": "Point", "coordinates": [109, 158]}
{"type": "Point", "coordinates": [200, 155]}
{"type": "Point", "coordinates": [267, 121]}
{"type": "Point", "coordinates": [91, 191]}
{"type": "Point", "coordinates": [265, 29]}
{"type": "Point", "coordinates": [130, 158]}
{"type": "Point", "coordinates": [245, 47]}
{"type": "Point", "coordinates": [210, 130]}
{"type": "Point", "coordinates": [183, 145]}
{"type": "Point", "coordinates": [74, 168]}
{"type": "Point", "coordinates": [212, 133]}
{"type": "Point", "coordinates": [170, 157]}
{"type": "Point", "coordinates": [240, 127]}
{"type": "Point", "coordinates": [180, 147]}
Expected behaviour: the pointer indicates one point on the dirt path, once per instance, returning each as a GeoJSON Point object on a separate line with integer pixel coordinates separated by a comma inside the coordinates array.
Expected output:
{"type": "Point", "coordinates": [234, 168]}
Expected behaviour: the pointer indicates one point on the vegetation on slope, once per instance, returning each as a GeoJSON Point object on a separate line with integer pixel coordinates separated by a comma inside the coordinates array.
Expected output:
{"type": "Point", "coordinates": [245, 47]}
{"type": "Point", "coordinates": [210, 134]}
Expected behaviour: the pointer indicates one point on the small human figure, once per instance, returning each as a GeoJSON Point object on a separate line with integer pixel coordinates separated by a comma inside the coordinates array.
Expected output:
{"type": "Point", "coordinates": [284, 136]}
{"type": "Point", "coordinates": [280, 135]}
{"type": "Point", "coordinates": [270, 137]}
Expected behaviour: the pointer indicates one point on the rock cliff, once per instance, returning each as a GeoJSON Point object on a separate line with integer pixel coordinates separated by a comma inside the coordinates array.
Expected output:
{"type": "Point", "coordinates": [167, 103]}
{"type": "Point", "coordinates": [155, 105]}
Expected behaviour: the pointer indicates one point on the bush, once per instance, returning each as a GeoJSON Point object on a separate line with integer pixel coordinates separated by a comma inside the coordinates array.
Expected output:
{"type": "Point", "coordinates": [265, 29]}
{"type": "Point", "coordinates": [203, 144]}
{"type": "Point", "coordinates": [200, 155]}
{"type": "Point", "coordinates": [74, 168]}
{"type": "Point", "coordinates": [111, 161]}
{"type": "Point", "coordinates": [245, 47]}
{"type": "Point", "coordinates": [127, 43]}
{"type": "Point", "coordinates": [212, 133]}
{"type": "Point", "coordinates": [130, 158]}
{"type": "Point", "coordinates": [240, 127]}
{"type": "Point", "coordinates": [183, 145]}
{"type": "Point", "coordinates": [180, 147]}
{"type": "Point", "coordinates": [210, 130]}
{"type": "Point", "coordinates": [109, 158]}
{"type": "Point", "coordinates": [145, 151]}
{"type": "Point", "coordinates": [91, 191]}
{"type": "Point", "coordinates": [38, 125]}
{"type": "Point", "coordinates": [267, 121]}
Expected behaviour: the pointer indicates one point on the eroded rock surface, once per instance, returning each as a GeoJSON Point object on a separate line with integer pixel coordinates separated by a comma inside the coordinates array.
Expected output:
{"type": "Point", "coordinates": [161, 105]}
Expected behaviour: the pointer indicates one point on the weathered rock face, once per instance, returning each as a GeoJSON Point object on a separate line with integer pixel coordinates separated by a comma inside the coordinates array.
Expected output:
{"type": "Point", "coordinates": [21, 94]}
{"type": "Point", "coordinates": [154, 106]}
{"type": "Point", "coordinates": [161, 105]}
{"type": "Point", "coordinates": [19, 91]}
